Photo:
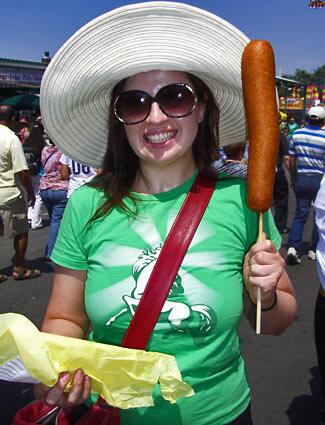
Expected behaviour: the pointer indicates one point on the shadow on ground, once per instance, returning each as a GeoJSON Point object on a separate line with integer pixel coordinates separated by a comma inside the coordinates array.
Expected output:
{"type": "Point", "coordinates": [304, 409]}
{"type": "Point", "coordinates": [35, 263]}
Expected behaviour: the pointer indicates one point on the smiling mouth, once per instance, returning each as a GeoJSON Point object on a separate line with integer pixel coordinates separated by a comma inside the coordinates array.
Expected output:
{"type": "Point", "coordinates": [160, 137]}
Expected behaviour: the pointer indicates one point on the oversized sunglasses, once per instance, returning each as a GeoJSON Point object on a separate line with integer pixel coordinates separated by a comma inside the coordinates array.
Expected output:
{"type": "Point", "coordinates": [175, 100]}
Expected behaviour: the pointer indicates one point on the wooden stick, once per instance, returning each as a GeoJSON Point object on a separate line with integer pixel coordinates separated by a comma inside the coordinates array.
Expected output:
{"type": "Point", "coordinates": [258, 300]}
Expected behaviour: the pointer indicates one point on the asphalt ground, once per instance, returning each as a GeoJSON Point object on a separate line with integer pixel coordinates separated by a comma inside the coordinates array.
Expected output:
{"type": "Point", "coordinates": [282, 370]}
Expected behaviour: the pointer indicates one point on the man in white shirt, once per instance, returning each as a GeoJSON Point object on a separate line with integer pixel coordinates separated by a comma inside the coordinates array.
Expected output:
{"type": "Point", "coordinates": [15, 184]}
{"type": "Point", "coordinates": [319, 321]}
{"type": "Point", "coordinates": [77, 174]}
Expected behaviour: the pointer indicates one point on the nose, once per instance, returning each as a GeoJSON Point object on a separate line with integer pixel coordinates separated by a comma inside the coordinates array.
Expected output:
{"type": "Point", "coordinates": [156, 115]}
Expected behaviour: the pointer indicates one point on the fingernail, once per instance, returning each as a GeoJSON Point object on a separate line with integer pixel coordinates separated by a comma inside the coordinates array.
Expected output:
{"type": "Point", "coordinates": [79, 375]}
{"type": "Point", "coordinates": [64, 378]}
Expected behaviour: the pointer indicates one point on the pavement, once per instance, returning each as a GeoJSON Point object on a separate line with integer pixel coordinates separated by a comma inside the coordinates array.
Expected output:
{"type": "Point", "coordinates": [282, 370]}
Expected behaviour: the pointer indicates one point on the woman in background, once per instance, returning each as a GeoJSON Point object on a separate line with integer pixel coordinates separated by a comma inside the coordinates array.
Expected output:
{"type": "Point", "coordinates": [53, 192]}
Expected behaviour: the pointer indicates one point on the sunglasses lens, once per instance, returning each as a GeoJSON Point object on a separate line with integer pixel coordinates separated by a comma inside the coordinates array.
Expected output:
{"type": "Point", "coordinates": [132, 107]}
{"type": "Point", "coordinates": [176, 100]}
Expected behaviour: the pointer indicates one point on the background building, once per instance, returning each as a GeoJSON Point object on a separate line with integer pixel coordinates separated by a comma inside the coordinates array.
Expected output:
{"type": "Point", "coordinates": [21, 77]}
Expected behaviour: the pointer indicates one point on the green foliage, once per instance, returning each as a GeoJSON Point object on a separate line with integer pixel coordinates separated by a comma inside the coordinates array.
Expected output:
{"type": "Point", "coordinates": [319, 75]}
{"type": "Point", "coordinates": [315, 77]}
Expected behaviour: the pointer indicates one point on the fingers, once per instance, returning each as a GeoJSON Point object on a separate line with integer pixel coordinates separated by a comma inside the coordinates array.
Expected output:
{"type": "Point", "coordinates": [264, 267]}
{"type": "Point", "coordinates": [264, 246]}
{"type": "Point", "coordinates": [263, 270]}
{"type": "Point", "coordinates": [57, 395]}
{"type": "Point", "coordinates": [267, 258]}
{"type": "Point", "coordinates": [80, 388]}
{"type": "Point", "coordinates": [267, 283]}
{"type": "Point", "coordinates": [87, 387]}
{"type": "Point", "coordinates": [264, 258]}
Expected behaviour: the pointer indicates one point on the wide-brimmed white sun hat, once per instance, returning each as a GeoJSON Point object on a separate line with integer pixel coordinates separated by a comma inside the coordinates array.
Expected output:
{"type": "Point", "coordinates": [77, 84]}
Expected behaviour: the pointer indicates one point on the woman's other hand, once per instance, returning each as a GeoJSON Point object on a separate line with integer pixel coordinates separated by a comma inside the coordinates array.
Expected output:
{"type": "Point", "coordinates": [263, 267]}
{"type": "Point", "coordinates": [56, 395]}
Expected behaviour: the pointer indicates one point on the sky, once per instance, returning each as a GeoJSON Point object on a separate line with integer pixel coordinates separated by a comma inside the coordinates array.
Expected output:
{"type": "Point", "coordinates": [297, 33]}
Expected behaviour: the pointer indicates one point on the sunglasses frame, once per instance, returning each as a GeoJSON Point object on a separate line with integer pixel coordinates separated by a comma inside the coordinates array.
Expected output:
{"type": "Point", "coordinates": [154, 99]}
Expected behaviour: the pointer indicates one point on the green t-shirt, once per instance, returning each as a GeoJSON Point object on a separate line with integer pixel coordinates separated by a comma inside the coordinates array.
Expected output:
{"type": "Point", "coordinates": [199, 320]}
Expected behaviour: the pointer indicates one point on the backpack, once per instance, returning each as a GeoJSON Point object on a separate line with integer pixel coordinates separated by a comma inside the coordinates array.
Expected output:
{"type": "Point", "coordinates": [32, 160]}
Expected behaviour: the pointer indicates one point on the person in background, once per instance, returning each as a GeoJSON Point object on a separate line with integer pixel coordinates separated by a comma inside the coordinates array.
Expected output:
{"type": "Point", "coordinates": [53, 192]}
{"type": "Point", "coordinates": [234, 163]}
{"type": "Point", "coordinates": [163, 129]}
{"type": "Point", "coordinates": [283, 123]}
{"type": "Point", "coordinates": [77, 174]}
{"type": "Point", "coordinates": [306, 166]}
{"type": "Point", "coordinates": [322, 105]}
{"type": "Point", "coordinates": [15, 186]}
{"type": "Point", "coordinates": [235, 152]}
{"type": "Point", "coordinates": [235, 159]}
{"type": "Point", "coordinates": [292, 127]}
{"type": "Point", "coordinates": [281, 187]}
{"type": "Point", "coordinates": [319, 318]}
{"type": "Point", "coordinates": [35, 143]}
{"type": "Point", "coordinates": [23, 131]}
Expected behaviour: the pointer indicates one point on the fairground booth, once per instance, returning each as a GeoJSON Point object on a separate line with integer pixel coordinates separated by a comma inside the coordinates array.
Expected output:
{"type": "Point", "coordinates": [20, 83]}
{"type": "Point", "coordinates": [296, 97]}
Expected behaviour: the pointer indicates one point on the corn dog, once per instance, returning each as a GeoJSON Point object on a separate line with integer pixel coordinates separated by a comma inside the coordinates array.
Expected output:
{"type": "Point", "coordinates": [258, 78]}
{"type": "Point", "coordinates": [259, 91]}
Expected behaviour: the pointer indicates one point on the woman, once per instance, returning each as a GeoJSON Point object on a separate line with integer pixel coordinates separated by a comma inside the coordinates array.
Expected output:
{"type": "Point", "coordinates": [35, 144]}
{"type": "Point", "coordinates": [158, 86]}
{"type": "Point", "coordinates": [53, 192]}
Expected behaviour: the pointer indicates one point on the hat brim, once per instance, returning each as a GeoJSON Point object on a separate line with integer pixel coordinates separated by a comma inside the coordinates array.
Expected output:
{"type": "Point", "coordinates": [76, 87]}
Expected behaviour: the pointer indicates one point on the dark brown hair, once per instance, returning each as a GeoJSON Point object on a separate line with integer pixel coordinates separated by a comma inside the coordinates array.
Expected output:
{"type": "Point", "coordinates": [121, 165]}
{"type": "Point", "coordinates": [317, 122]}
{"type": "Point", "coordinates": [7, 112]}
{"type": "Point", "coordinates": [235, 151]}
{"type": "Point", "coordinates": [36, 139]}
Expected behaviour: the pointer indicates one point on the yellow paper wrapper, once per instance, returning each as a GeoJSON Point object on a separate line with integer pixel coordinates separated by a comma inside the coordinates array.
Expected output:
{"type": "Point", "coordinates": [124, 378]}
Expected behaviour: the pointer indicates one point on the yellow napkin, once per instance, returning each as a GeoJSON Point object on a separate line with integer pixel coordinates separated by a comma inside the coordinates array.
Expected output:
{"type": "Point", "coordinates": [124, 378]}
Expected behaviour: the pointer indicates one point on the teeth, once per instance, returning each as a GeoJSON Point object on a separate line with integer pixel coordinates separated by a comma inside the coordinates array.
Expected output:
{"type": "Point", "coordinates": [161, 137]}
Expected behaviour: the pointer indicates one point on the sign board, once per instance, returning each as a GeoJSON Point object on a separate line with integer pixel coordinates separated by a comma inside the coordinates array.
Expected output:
{"type": "Point", "coordinates": [21, 76]}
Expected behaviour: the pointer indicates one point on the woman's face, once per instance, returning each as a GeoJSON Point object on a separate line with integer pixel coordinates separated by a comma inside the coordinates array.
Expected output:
{"type": "Point", "coordinates": [161, 140]}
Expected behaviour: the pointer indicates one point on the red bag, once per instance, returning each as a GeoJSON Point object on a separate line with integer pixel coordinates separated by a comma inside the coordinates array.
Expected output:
{"type": "Point", "coordinates": [35, 413]}
{"type": "Point", "coordinates": [147, 313]}
{"type": "Point", "coordinates": [94, 415]}
{"type": "Point", "coordinates": [40, 413]}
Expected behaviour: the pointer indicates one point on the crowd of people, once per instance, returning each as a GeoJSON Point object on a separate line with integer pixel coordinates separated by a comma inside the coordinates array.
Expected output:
{"type": "Point", "coordinates": [157, 126]}
{"type": "Point", "coordinates": [34, 174]}
{"type": "Point", "coordinates": [301, 153]}
{"type": "Point", "coordinates": [50, 177]}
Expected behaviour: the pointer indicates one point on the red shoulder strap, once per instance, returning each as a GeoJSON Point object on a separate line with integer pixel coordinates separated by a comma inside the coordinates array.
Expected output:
{"type": "Point", "coordinates": [169, 262]}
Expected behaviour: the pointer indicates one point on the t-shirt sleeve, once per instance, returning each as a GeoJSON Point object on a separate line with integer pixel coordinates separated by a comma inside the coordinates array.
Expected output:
{"type": "Point", "coordinates": [291, 147]}
{"type": "Point", "coordinates": [17, 156]}
{"type": "Point", "coordinates": [69, 250]}
{"type": "Point", "coordinates": [64, 160]}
